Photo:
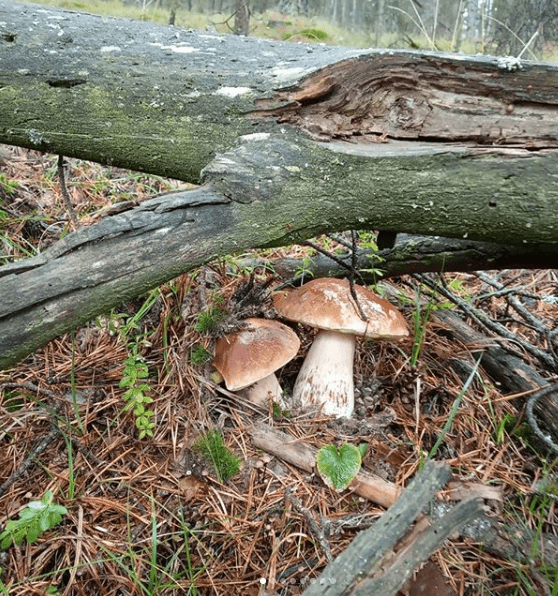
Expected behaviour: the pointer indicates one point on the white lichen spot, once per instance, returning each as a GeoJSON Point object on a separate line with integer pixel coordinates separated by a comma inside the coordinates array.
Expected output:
{"type": "Point", "coordinates": [178, 48]}
{"type": "Point", "coordinates": [509, 63]}
{"type": "Point", "coordinates": [286, 73]}
{"type": "Point", "coordinates": [256, 136]}
{"type": "Point", "coordinates": [35, 136]}
{"type": "Point", "coordinates": [330, 295]}
{"type": "Point", "coordinates": [110, 49]}
{"type": "Point", "coordinates": [293, 169]}
{"type": "Point", "coordinates": [233, 91]}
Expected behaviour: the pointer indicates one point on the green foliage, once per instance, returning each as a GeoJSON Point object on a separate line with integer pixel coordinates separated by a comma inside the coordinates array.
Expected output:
{"type": "Point", "coordinates": [35, 519]}
{"type": "Point", "coordinates": [135, 396]}
{"type": "Point", "coordinates": [13, 401]}
{"type": "Point", "coordinates": [199, 355]}
{"type": "Point", "coordinates": [455, 286]}
{"type": "Point", "coordinates": [7, 187]}
{"type": "Point", "coordinates": [420, 321]}
{"type": "Point", "coordinates": [316, 34]}
{"type": "Point", "coordinates": [367, 241]}
{"type": "Point", "coordinates": [535, 513]}
{"type": "Point", "coordinates": [212, 448]}
{"type": "Point", "coordinates": [135, 369]}
{"type": "Point", "coordinates": [339, 466]}
{"type": "Point", "coordinates": [304, 270]}
{"type": "Point", "coordinates": [279, 413]}
{"type": "Point", "coordinates": [210, 318]}
{"type": "Point", "coordinates": [455, 409]}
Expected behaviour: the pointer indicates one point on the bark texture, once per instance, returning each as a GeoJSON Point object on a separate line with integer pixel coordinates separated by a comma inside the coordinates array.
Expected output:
{"type": "Point", "coordinates": [287, 140]}
{"type": "Point", "coordinates": [372, 563]}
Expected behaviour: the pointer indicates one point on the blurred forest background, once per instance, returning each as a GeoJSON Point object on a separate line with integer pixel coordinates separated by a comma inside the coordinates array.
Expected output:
{"type": "Point", "coordinates": [525, 28]}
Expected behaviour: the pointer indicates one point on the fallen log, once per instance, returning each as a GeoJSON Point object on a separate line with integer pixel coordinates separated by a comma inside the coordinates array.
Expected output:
{"type": "Point", "coordinates": [288, 141]}
{"type": "Point", "coordinates": [411, 254]}
{"type": "Point", "coordinates": [509, 372]}
{"type": "Point", "coordinates": [376, 562]}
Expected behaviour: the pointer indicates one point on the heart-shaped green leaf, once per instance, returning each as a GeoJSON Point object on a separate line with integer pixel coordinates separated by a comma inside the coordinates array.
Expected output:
{"type": "Point", "coordinates": [338, 466]}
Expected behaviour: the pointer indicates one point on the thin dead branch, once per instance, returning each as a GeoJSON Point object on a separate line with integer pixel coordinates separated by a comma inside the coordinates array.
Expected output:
{"type": "Point", "coordinates": [531, 402]}
{"type": "Point", "coordinates": [65, 194]}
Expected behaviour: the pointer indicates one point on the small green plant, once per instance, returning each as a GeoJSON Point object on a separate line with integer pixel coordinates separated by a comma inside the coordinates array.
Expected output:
{"type": "Point", "coordinates": [199, 355]}
{"type": "Point", "coordinates": [35, 519]}
{"type": "Point", "coordinates": [210, 318]}
{"type": "Point", "coordinates": [213, 449]}
{"type": "Point", "coordinates": [304, 269]}
{"type": "Point", "coordinates": [135, 396]}
{"type": "Point", "coordinates": [338, 466]}
{"type": "Point", "coordinates": [279, 413]}
{"type": "Point", "coordinates": [420, 321]}
{"type": "Point", "coordinates": [316, 34]}
{"type": "Point", "coordinates": [455, 408]}
{"type": "Point", "coordinates": [7, 187]}
{"type": "Point", "coordinates": [533, 513]}
{"type": "Point", "coordinates": [367, 242]}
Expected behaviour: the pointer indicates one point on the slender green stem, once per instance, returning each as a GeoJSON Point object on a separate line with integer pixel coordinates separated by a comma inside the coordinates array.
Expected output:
{"type": "Point", "coordinates": [454, 409]}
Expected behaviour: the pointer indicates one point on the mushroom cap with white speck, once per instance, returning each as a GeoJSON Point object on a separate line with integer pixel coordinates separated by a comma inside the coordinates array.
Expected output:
{"type": "Point", "coordinates": [327, 303]}
{"type": "Point", "coordinates": [254, 352]}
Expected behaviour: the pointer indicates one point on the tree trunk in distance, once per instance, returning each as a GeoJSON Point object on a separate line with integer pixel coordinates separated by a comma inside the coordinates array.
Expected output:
{"type": "Point", "coordinates": [242, 17]}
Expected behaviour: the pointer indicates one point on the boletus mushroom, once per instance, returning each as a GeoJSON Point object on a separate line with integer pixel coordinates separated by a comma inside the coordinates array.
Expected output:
{"type": "Point", "coordinates": [248, 358]}
{"type": "Point", "coordinates": [326, 376]}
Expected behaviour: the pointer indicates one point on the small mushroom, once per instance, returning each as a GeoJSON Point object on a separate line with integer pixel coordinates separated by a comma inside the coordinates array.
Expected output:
{"type": "Point", "coordinates": [326, 376]}
{"type": "Point", "coordinates": [247, 359]}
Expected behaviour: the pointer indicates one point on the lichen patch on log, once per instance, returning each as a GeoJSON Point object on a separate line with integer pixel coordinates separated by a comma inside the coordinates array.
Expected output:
{"type": "Point", "coordinates": [396, 95]}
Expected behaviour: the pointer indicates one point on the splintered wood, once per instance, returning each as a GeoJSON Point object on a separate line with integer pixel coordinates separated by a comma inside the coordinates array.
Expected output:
{"type": "Point", "coordinates": [404, 96]}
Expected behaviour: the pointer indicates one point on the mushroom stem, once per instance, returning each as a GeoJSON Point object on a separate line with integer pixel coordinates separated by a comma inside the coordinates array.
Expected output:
{"type": "Point", "coordinates": [326, 376]}
{"type": "Point", "coordinates": [263, 390]}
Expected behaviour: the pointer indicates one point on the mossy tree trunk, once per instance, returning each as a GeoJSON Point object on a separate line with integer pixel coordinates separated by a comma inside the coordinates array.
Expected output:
{"type": "Point", "coordinates": [286, 140]}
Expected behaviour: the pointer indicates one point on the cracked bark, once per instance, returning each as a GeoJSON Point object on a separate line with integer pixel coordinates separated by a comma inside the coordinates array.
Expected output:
{"type": "Point", "coordinates": [288, 141]}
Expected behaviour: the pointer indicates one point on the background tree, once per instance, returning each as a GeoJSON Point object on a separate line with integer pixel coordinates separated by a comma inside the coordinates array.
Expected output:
{"type": "Point", "coordinates": [242, 17]}
{"type": "Point", "coordinates": [518, 20]}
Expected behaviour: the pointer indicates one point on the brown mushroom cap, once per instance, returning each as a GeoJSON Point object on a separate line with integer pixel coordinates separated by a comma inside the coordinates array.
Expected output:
{"type": "Point", "coordinates": [327, 303]}
{"type": "Point", "coordinates": [254, 352]}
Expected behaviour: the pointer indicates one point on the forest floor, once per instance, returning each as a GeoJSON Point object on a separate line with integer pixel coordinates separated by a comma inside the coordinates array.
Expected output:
{"type": "Point", "coordinates": [155, 515]}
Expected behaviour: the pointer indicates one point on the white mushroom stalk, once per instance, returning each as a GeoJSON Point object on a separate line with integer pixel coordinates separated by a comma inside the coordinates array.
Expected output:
{"type": "Point", "coordinates": [264, 390]}
{"type": "Point", "coordinates": [326, 377]}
